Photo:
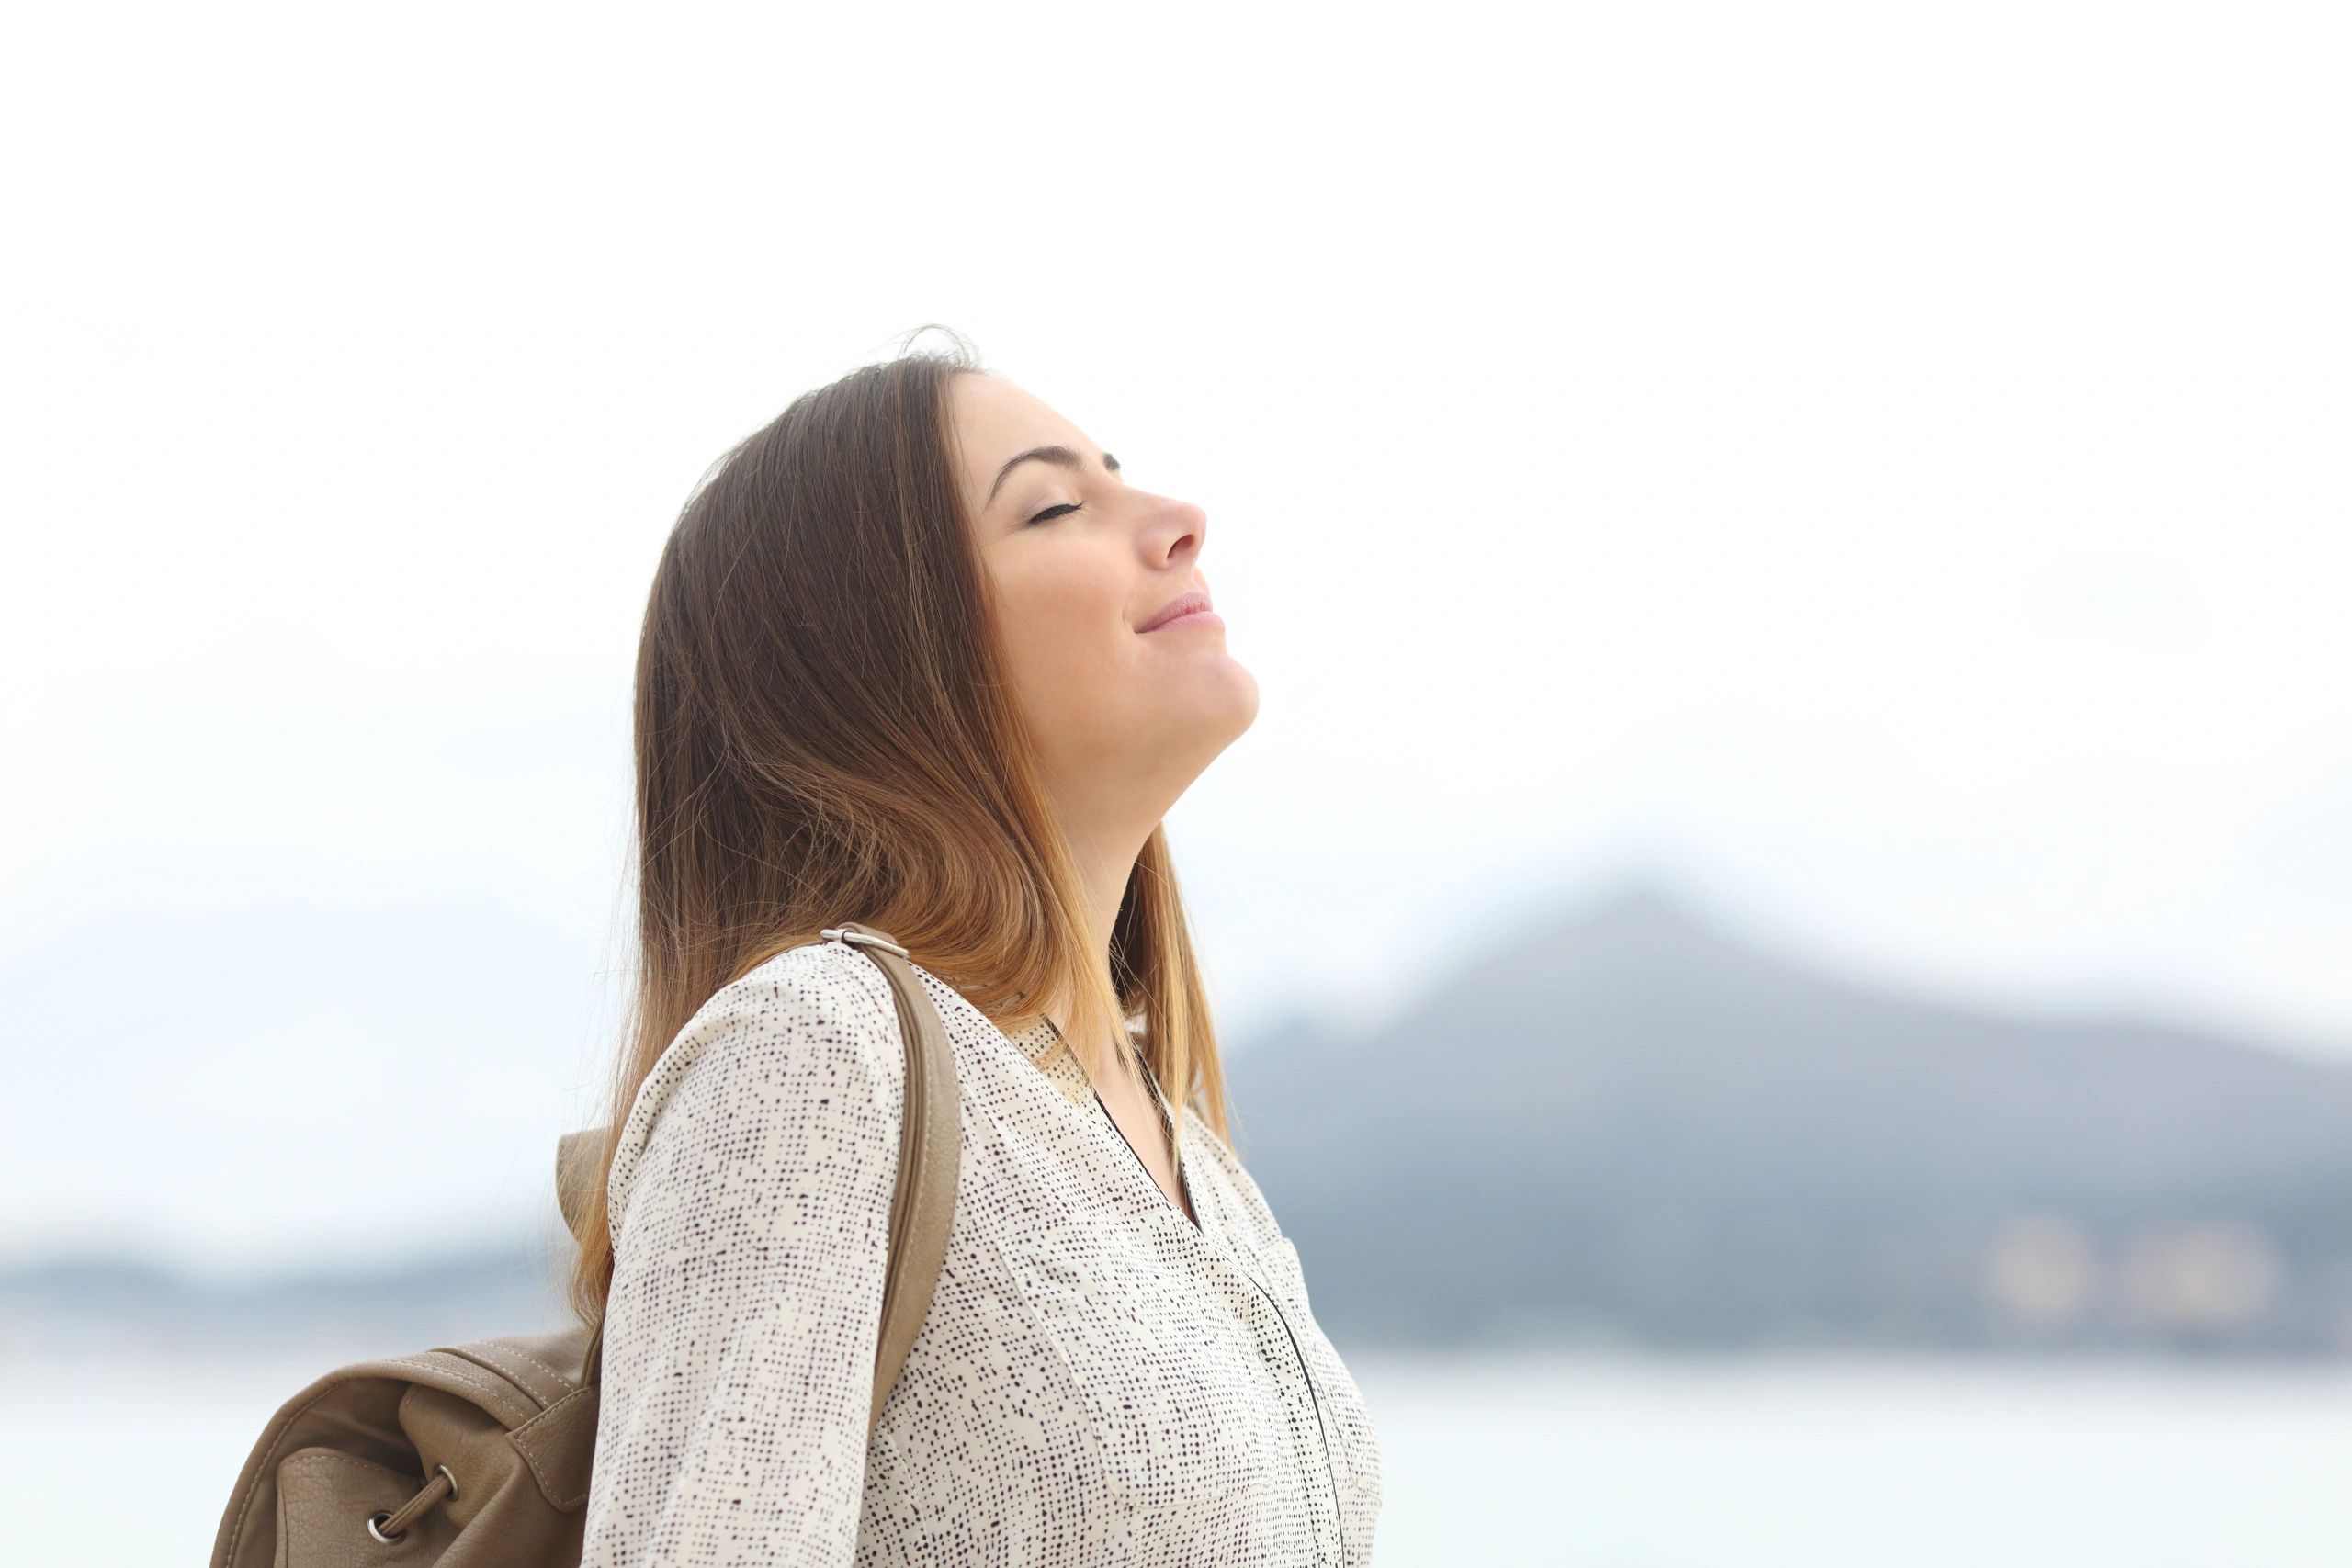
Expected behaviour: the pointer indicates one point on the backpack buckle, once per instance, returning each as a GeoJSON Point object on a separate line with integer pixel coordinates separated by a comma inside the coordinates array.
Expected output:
{"type": "Point", "coordinates": [861, 939]}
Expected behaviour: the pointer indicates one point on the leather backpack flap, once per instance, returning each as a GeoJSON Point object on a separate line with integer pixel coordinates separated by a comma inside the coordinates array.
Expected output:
{"type": "Point", "coordinates": [501, 1501]}
{"type": "Point", "coordinates": [558, 1444]}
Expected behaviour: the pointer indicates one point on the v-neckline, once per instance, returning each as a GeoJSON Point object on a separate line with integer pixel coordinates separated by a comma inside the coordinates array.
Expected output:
{"type": "Point", "coordinates": [1183, 1179]}
{"type": "Point", "coordinates": [1194, 1226]}
{"type": "Point", "coordinates": [1168, 1125]}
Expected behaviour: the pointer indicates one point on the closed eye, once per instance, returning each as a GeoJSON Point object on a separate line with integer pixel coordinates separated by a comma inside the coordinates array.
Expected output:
{"type": "Point", "coordinates": [1063, 510]}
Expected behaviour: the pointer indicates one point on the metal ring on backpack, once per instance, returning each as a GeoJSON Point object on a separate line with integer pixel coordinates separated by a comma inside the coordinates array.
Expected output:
{"type": "Point", "coordinates": [419, 1502]}
{"type": "Point", "coordinates": [861, 939]}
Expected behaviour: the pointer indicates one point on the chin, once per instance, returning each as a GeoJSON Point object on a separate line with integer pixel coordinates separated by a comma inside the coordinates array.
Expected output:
{"type": "Point", "coordinates": [1231, 693]}
{"type": "Point", "coordinates": [1250, 699]}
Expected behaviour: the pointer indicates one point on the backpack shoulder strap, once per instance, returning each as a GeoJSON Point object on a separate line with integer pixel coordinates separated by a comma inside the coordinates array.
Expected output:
{"type": "Point", "coordinates": [931, 1156]}
{"type": "Point", "coordinates": [931, 1153]}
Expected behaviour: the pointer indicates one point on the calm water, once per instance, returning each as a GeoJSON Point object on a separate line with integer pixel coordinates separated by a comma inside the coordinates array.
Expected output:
{"type": "Point", "coordinates": [1828, 1464]}
{"type": "Point", "coordinates": [1603, 1463]}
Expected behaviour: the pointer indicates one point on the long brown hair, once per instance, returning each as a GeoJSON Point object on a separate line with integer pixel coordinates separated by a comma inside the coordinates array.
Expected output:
{"type": "Point", "coordinates": [825, 732]}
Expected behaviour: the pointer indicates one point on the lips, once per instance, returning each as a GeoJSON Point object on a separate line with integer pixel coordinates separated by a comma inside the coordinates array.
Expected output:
{"type": "Point", "coordinates": [1183, 604]}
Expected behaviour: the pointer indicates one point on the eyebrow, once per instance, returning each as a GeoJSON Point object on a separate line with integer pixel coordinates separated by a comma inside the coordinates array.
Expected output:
{"type": "Point", "coordinates": [1060, 456]}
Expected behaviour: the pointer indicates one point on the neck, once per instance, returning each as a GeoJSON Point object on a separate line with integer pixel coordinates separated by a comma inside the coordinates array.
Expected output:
{"type": "Point", "coordinates": [1104, 850]}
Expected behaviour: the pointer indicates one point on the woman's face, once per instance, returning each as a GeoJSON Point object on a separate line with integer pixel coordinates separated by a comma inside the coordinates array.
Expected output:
{"type": "Point", "coordinates": [1079, 561]}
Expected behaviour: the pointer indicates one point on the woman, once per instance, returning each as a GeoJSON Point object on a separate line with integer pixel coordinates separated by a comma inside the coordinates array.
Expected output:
{"type": "Point", "coordinates": [918, 655]}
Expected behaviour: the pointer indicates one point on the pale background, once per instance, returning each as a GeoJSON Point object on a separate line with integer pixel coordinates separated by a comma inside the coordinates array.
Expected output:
{"type": "Point", "coordinates": [1882, 467]}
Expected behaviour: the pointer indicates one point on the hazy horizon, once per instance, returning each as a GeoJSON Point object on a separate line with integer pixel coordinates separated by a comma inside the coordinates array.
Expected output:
{"type": "Point", "coordinates": [1882, 473]}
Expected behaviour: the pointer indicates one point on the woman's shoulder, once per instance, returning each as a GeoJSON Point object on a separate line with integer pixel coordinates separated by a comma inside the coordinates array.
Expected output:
{"type": "Point", "coordinates": [817, 1001]}
{"type": "Point", "coordinates": [812, 1032]}
{"type": "Point", "coordinates": [832, 981]}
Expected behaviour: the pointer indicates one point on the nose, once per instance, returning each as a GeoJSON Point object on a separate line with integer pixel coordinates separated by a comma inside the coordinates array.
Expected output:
{"type": "Point", "coordinates": [1181, 525]}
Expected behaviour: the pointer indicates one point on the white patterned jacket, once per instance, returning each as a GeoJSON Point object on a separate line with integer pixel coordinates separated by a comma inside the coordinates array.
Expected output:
{"type": "Point", "coordinates": [1100, 1380]}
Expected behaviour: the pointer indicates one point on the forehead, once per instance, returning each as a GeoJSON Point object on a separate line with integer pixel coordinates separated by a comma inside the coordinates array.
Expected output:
{"type": "Point", "coordinates": [995, 419]}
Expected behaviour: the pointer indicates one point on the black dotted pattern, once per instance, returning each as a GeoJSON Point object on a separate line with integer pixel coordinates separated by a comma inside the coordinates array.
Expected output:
{"type": "Point", "coordinates": [1099, 1381]}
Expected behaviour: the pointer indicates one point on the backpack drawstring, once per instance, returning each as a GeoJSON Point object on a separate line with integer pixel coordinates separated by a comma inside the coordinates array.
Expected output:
{"type": "Point", "coordinates": [389, 1527]}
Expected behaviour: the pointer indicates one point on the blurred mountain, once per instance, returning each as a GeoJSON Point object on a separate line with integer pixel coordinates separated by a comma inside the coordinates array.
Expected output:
{"type": "Point", "coordinates": [1632, 1123]}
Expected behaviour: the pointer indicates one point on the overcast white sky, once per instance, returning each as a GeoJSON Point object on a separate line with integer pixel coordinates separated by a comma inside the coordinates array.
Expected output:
{"type": "Point", "coordinates": [1883, 467]}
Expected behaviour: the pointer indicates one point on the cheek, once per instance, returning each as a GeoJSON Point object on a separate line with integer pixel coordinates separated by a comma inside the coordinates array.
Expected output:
{"type": "Point", "coordinates": [1070, 655]}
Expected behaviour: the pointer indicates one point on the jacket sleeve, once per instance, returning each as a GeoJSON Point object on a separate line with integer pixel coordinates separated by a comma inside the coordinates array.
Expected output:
{"type": "Point", "coordinates": [751, 1189]}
